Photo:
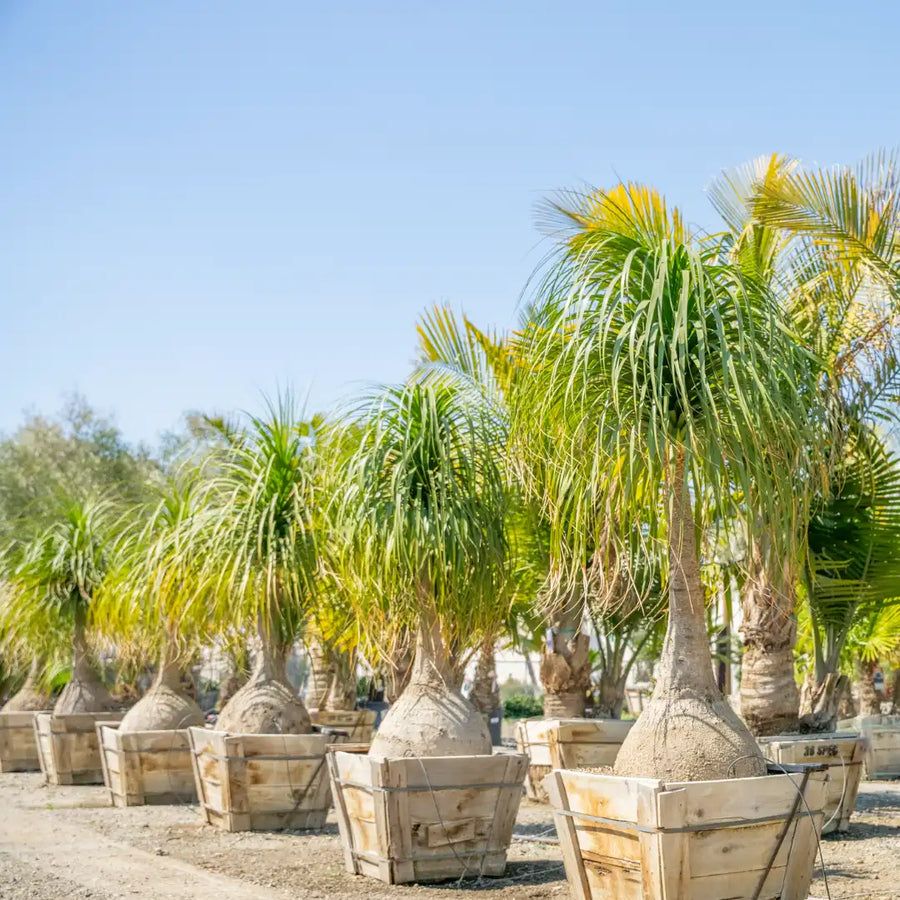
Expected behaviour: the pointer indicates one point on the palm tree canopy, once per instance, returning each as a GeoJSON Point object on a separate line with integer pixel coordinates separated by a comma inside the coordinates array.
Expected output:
{"type": "Point", "coordinates": [258, 541]}
{"type": "Point", "coordinates": [423, 502]}
{"type": "Point", "coordinates": [153, 591]}
{"type": "Point", "coordinates": [646, 340]}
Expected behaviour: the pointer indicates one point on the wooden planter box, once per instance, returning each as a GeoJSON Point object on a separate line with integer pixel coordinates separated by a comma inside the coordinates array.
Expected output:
{"type": "Point", "coordinates": [841, 754]}
{"type": "Point", "coordinates": [146, 767]}
{"type": "Point", "coordinates": [426, 818]}
{"type": "Point", "coordinates": [261, 782]}
{"type": "Point", "coordinates": [641, 839]}
{"type": "Point", "coordinates": [882, 750]}
{"type": "Point", "coordinates": [567, 744]}
{"type": "Point", "coordinates": [18, 744]}
{"type": "Point", "coordinates": [67, 746]}
{"type": "Point", "coordinates": [358, 723]}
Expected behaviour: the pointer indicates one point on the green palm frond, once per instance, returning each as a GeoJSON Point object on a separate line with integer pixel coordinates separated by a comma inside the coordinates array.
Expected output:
{"type": "Point", "coordinates": [256, 542]}
{"type": "Point", "coordinates": [854, 539]}
{"type": "Point", "coordinates": [423, 500]}
{"type": "Point", "coordinates": [645, 341]}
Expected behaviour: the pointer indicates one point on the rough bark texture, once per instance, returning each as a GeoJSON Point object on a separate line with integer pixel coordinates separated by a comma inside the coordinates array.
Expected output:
{"type": "Point", "coordinates": [869, 701]}
{"type": "Point", "coordinates": [688, 731]}
{"type": "Point", "coordinates": [30, 697]}
{"type": "Point", "coordinates": [565, 664]}
{"type": "Point", "coordinates": [342, 690]}
{"type": "Point", "coordinates": [431, 717]}
{"type": "Point", "coordinates": [399, 669]}
{"type": "Point", "coordinates": [895, 693]}
{"type": "Point", "coordinates": [164, 707]}
{"type": "Point", "coordinates": [770, 700]}
{"type": "Point", "coordinates": [237, 677]}
{"type": "Point", "coordinates": [266, 704]}
{"type": "Point", "coordinates": [821, 703]}
{"type": "Point", "coordinates": [321, 675]}
{"type": "Point", "coordinates": [85, 692]}
{"type": "Point", "coordinates": [609, 695]}
{"type": "Point", "coordinates": [485, 696]}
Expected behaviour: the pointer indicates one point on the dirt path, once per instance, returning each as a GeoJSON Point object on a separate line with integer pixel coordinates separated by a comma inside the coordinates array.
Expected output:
{"type": "Point", "coordinates": [60, 843]}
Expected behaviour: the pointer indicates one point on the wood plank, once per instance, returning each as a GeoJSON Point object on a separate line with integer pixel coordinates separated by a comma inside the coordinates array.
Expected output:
{"type": "Point", "coordinates": [568, 839]}
{"type": "Point", "coordinates": [709, 802]}
{"type": "Point", "coordinates": [606, 796]}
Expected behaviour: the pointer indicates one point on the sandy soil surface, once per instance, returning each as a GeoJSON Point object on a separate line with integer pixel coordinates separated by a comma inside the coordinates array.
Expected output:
{"type": "Point", "coordinates": [65, 842]}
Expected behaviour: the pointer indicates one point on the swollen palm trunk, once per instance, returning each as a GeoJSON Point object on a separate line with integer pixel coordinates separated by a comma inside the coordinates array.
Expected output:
{"type": "Point", "coordinates": [30, 697]}
{"type": "Point", "coordinates": [431, 717]}
{"type": "Point", "coordinates": [85, 692]}
{"type": "Point", "coordinates": [770, 701]}
{"type": "Point", "coordinates": [266, 704]}
{"type": "Point", "coordinates": [688, 731]}
{"type": "Point", "coordinates": [164, 707]}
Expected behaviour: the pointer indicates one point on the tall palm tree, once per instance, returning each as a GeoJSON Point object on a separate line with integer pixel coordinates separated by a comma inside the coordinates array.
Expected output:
{"type": "Point", "coordinates": [149, 604]}
{"type": "Point", "coordinates": [258, 553]}
{"type": "Point", "coordinates": [665, 381]}
{"type": "Point", "coordinates": [484, 363]}
{"type": "Point", "coordinates": [422, 520]}
{"type": "Point", "coordinates": [54, 586]}
{"type": "Point", "coordinates": [825, 241]}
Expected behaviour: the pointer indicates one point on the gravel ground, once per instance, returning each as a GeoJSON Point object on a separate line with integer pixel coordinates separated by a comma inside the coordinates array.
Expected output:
{"type": "Point", "coordinates": [65, 842]}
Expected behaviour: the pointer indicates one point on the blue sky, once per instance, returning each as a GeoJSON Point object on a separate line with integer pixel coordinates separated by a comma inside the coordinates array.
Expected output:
{"type": "Point", "coordinates": [206, 200]}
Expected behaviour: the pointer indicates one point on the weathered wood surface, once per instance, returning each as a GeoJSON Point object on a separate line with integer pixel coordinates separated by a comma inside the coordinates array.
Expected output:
{"type": "Point", "coordinates": [18, 744]}
{"type": "Point", "coordinates": [68, 749]}
{"type": "Point", "coordinates": [841, 753]}
{"type": "Point", "coordinates": [882, 750]}
{"type": "Point", "coordinates": [358, 724]}
{"type": "Point", "coordinates": [426, 819]}
{"type": "Point", "coordinates": [261, 782]}
{"type": "Point", "coordinates": [146, 767]}
{"type": "Point", "coordinates": [567, 744]}
{"type": "Point", "coordinates": [640, 839]}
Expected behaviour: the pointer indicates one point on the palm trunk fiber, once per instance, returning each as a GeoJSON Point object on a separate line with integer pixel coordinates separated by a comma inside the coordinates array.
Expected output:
{"type": "Point", "coordinates": [485, 696]}
{"type": "Point", "coordinates": [821, 703]}
{"type": "Point", "coordinates": [321, 674]}
{"type": "Point", "coordinates": [688, 731]}
{"type": "Point", "coordinates": [869, 701]}
{"type": "Point", "coordinates": [565, 662]}
{"type": "Point", "coordinates": [342, 690]}
{"type": "Point", "coordinates": [770, 700]}
{"type": "Point", "coordinates": [431, 717]}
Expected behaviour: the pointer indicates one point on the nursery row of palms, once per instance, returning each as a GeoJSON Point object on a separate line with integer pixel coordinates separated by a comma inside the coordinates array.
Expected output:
{"type": "Point", "coordinates": [667, 393]}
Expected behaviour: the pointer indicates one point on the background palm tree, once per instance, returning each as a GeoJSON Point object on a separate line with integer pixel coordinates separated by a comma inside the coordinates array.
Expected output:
{"type": "Point", "coordinates": [151, 606]}
{"type": "Point", "coordinates": [825, 242]}
{"type": "Point", "coordinates": [53, 589]}
{"type": "Point", "coordinates": [664, 380]}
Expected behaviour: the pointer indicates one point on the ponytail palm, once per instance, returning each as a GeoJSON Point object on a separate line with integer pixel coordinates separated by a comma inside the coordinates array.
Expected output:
{"type": "Point", "coordinates": [54, 587]}
{"type": "Point", "coordinates": [664, 378]}
{"type": "Point", "coordinates": [257, 548]}
{"type": "Point", "coordinates": [149, 606]}
{"type": "Point", "coordinates": [422, 520]}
